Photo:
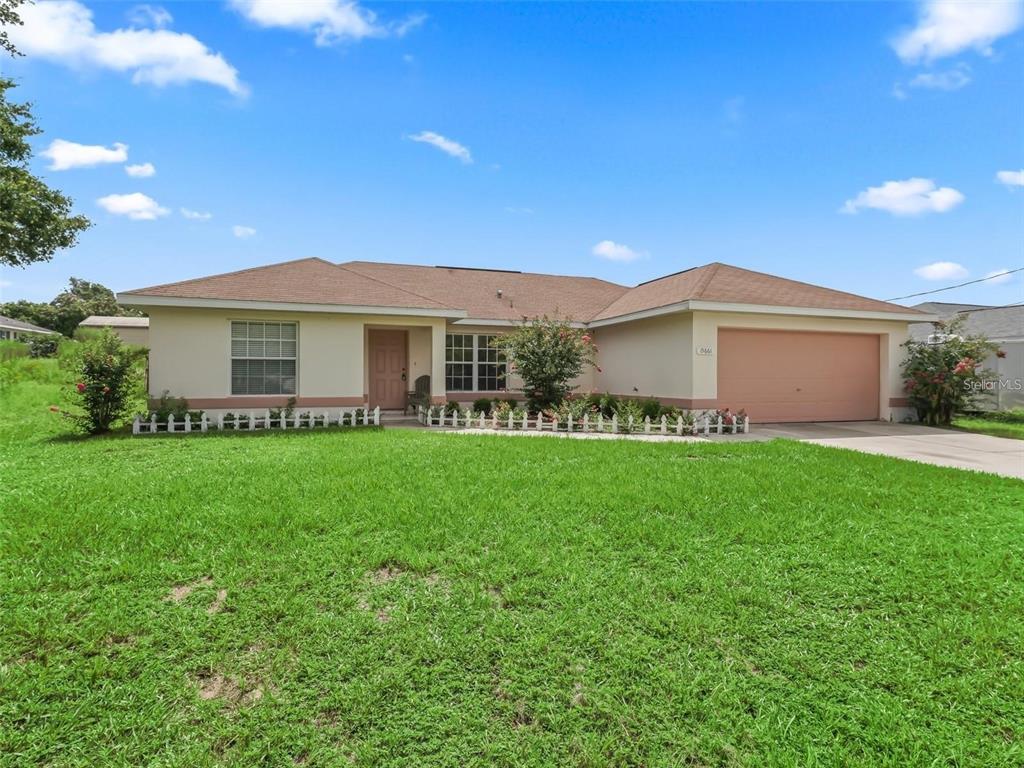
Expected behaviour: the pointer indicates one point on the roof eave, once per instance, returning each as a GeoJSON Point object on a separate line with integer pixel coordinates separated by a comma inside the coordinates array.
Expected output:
{"type": "Point", "coordinates": [696, 305]}
{"type": "Point", "coordinates": [142, 300]}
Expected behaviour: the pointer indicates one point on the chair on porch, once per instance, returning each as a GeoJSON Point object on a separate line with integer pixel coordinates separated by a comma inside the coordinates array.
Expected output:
{"type": "Point", "coordinates": [420, 395]}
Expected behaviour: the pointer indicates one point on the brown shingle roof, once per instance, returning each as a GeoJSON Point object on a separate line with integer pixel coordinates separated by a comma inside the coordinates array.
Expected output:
{"type": "Point", "coordinates": [523, 294]}
{"type": "Point", "coordinates": [306, 281]}
{"type": "Point", "coordinates": [723, 283]}
{"type": "Point", "coordinates": [475, 291]}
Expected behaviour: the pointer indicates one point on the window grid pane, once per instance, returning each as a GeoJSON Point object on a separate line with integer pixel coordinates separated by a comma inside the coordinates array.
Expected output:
{"type": "Point", "coordinates": [263, 358]}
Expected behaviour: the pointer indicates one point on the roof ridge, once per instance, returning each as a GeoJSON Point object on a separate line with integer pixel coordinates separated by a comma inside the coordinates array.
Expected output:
{"type": "Point", "coordinates": [486, 269]}
{"type": "Point", "coordinates": [391, 285]}
{"type": "Point", "coordinates": [705, 281]}
{"type": "Point", "coordinates": [227, 274]}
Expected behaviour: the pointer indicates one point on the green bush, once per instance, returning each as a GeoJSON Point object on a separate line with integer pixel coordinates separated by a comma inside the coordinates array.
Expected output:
{"type": "Point", "coordinates": [607, 404]}
{"type": "Point", "coordinates": [43, 345]}
{"type": "Point", "coordinates": [945, 377]}
{"type": "Point", "coordinates": [107, 376]}
{"type": "Point", "coordinates": [650, 408]}
{"type": "Point", "coordinates": [483, 405]}
{"type": "Point", "coordinates": [511, 401]}
{"type": "Point", "coordinates": [547, 354]}
{"type": "Point", "coordinates": [452, 406]}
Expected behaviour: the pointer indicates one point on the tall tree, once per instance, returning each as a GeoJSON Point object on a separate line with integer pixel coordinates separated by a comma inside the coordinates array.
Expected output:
{"type": "Point", "coordinates": [70, 307]}
{"type": "Point", "coordinates": [35, 220]}
{"type": "Point", "coordinates": [9, 17]}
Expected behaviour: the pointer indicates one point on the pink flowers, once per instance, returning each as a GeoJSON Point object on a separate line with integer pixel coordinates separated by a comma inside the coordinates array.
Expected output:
{"type": "Point", "coordinates": [80, 387]}
{"type": "Point", "coordinates": [965, 365]}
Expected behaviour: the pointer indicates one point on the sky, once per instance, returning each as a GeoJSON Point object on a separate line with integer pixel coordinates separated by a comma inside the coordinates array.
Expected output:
{"type": "Point", "coordinates": [876, 148]}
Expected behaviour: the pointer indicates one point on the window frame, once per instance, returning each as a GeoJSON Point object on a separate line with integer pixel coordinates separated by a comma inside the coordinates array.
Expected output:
{"type": "Point", "coordinates": [476, 363]}
{"type": "Point", "coordinates": [232, 357]}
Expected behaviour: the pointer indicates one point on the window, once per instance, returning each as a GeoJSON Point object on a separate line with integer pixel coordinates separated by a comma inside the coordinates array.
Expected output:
{"type": "Point", "coordinates": [472, 365]}
{"type": "Point", "coordinates": [4, 335]}
{"type": "Point", "coordinates": [263, 358]}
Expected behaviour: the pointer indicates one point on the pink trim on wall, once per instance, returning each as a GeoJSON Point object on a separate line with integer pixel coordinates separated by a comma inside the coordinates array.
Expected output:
{"type": "Point", "coordinates": [267, 401]}
{"type": "Point", "coordinates": [438, 400]}
{"type": "Point", "coordinates": [899, 402]}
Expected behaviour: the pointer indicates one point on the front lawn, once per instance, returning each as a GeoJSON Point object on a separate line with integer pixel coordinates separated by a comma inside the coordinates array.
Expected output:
{"type": "Point", "coordinates": [387, 598]}
{"type": "Point", "coordinates": [1004, 424]}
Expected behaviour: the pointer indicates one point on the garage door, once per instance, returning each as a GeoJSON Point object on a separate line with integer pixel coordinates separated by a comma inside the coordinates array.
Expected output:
{"type": "Point", "coordinates": [795, 376]}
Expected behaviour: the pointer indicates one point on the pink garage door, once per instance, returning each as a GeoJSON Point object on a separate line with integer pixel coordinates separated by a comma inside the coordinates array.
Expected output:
{"type": "Point", "coordinates": [797, 376]}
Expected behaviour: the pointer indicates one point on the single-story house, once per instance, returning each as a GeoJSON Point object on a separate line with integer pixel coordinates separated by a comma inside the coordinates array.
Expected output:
{"type": "Point", "coordinates": [131, 330]}
{"type": "Point", "coordinates": [362, 332]}
{"type": "Point", "coordinates": [1003, 325]}
{"type": "Point", "coordinates": [11, 329]}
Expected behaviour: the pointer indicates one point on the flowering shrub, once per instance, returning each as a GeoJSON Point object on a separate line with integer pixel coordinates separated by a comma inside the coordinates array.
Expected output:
{"type": "Point", "coordinates": [107, 376]}
{"type": "Point", "coordinates": [945, 377]}
{"type": "Point", "coordinates": [547, 354]}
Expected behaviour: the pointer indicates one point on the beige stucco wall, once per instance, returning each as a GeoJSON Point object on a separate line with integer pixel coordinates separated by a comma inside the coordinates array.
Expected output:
{"type": "Point", "coordinates": [190, 351]}
{"type": "Point", "coordinates": [649, 358]}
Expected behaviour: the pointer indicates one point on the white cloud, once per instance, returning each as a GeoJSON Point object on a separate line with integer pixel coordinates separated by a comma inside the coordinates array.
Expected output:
{"type": "Point", "coordinates": [135, 206]}
{"type": "Point", "coordinates": [242, 232]}
{"type": "Point", "coordinates": [1011, 178]}
{"type": "Point", "coordinates": [140, 171]}
{"type": "Point", "coordinates": [947, 27]}
{"type": "Point", "coordinates": [998, 276]}
{"type": "Point", "coordinates": [448, 146]}
{"type": "Point", "coordinates": [608, 249]}
{"type": "Point", "coordinates": [906, 198]}
{"type": "Point", "coordinates": [941, 270]}
{"type": "Point", "coordinates": [950, 80]}
{"type": "Point", "coordinates": [196, 215]}
{"type": "Point", "coordinates": [64, 155]}
{"type": "Point", "coordinates": [63, 31]}
{"type": "Point", "coordinates": [150, 16]}
{"type": "Point", "coordinates": [330, 21]}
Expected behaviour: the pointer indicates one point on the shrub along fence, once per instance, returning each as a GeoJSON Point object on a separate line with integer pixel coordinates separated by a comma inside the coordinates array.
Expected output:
{"type": "Point", "coordinates": [251, 421]}
{"type": "Point", "coordinates": [692, 424]}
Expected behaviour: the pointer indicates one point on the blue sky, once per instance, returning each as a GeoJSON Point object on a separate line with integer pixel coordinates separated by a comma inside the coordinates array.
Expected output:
{"type": "Point", "coordinates": [664, 136]}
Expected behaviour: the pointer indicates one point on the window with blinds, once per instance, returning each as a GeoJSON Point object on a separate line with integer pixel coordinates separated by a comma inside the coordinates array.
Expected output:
{"type": "Point", "coordinates": [264, 356]}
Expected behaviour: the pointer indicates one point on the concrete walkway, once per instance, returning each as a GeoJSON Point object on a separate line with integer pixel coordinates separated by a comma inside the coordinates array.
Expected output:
{"type": "Point", "coordinates": [944, 447]}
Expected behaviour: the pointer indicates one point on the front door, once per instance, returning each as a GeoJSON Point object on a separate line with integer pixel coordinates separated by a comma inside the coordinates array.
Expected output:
{"type": "Point", "coordinates": [388, 385]}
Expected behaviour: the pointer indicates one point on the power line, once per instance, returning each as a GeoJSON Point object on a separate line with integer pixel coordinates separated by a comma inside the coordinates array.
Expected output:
{"type": "Point", "coordinates": [961, 285]}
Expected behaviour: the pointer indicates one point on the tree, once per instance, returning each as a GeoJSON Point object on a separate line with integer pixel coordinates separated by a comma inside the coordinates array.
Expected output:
{"type": "Point", "coordinates": [8, 18]}
{"type": "Point", "coordinates": [547, 354]}
{"type": "Point", "coordinates": [943, 376]}
{"type": "Point", "coordinates": [70, 307]}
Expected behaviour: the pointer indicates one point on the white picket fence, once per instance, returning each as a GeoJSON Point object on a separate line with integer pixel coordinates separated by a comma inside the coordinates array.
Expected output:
{"type": "Point", "coordinates": [257, 420]}
{"type": "Point", "coordinates": [703, 425]}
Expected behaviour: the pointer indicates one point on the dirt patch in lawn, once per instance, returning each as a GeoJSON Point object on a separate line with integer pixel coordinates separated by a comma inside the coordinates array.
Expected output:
{"type": "Point", "coordinates": [218, 602]}
{"type": "Point", "coordinates": [182, 591]}
{"type": "Point", "coordinates": [233, 692]}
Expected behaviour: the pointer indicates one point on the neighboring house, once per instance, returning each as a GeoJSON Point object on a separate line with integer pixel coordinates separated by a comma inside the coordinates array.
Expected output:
{"type": "Point", "coordinates": [362, 332]}
{"type": "Point", "coordinates": [16, 329]}
{"type": "Point", "coordinates": [1003, 325]}
{"type": "Point", "coordinates": [131, 330]}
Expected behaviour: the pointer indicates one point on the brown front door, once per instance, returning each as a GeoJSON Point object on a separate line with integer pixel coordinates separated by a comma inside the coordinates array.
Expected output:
{"type": "Point", "coordinates": [388, 385]}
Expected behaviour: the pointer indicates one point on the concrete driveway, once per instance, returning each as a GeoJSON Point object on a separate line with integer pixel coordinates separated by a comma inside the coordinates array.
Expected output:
{"type": "Point", "coordinates": [945, 447]}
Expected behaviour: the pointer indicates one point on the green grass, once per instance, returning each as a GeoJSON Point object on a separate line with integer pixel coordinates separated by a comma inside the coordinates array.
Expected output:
{"type": "Point", "coordinates": [411, 598]}
{"type": "Point", "coordinates": [1000, 425]}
